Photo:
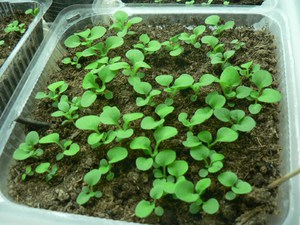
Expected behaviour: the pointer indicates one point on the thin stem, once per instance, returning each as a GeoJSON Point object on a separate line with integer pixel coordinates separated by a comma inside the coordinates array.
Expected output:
{"type": "Point", "coordinates": [281, 180]}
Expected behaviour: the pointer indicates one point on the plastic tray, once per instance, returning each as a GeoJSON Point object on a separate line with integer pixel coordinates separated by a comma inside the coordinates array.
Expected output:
{"type": "Point", "coordinates": [75, 18]}
{"type": "Point", "coordinates": [15, 65]}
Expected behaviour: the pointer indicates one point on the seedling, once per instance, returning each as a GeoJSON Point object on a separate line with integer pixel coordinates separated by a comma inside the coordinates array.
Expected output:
{"type": "Point", "coordinates": [34, 12]}
{"type": "Point", "coordinates": [85, 38]}
{"type": "Point", "coordinates": [238, 186]}
{"type": "Point", "coordinates": [28, 148]}
{"type": "Point", "coordinates": [67, 109]}
{"type": "Point", "coordinates": [237, 44]}
{"type": "Point", "coordinates": [204, 80]}
{"type": "Point", "coordinates": [28, 172]}
{"type": "Point", "coordinates": [96, 138]}
{"type": "Point", "coordinates": [15, 26]}
{"type": "Point", "coordinates": [229, 79]}
{"type": "Point", "coordinates": [238, 119]}
{"type": "Point", "coordinates": [48, 169]}
{"type": "Point", "coordinates": [173, 46]}
{"type": "Point", "coordinates": [162, 110]}
{"type": "Point", "coordinates": [144, 88]}
{"type": "Point", "coordinates": [74, 60]}
{"type": "Point", "coordinates": [193, 38]}
{"type": "Point", "coordinates": [262, 79]}
{"type": "Point", "coordinates": [136, 58]}
{"type": "Point", "coordinates": [96, 66]}
{"type": "Point", "coordinates": [121, 23]}
{"type": "Point", "coordinates": [148, 46]}
{"type": "Point", "coordinates": [185, 191]}
{"type": "Point", "coordinates": [217, 28]}
{"type": "Point", "coordinates": [55, 90]}
{"type": "Point", "coordinates": [68, 148]}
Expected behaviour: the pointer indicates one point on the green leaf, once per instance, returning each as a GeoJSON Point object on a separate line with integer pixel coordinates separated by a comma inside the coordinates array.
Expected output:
{"type": "Point", "coordinates": [184, 190]}
{"type": "Point", "coordinates": [243, 92]}
{"type": "Point", "coordinates": [202, 185]}
{"type": "Point", "coordinates": [95, 138]}
{"type": "Point", "coordinates": [117, 154]}
{"type": "Point", "coordinates": [123, 134]}
{"type": "Point", "coordinates": [225, 134]}
{"type": "Point", "coordinates": [131, 117]}
{"type": "Point", "coordinates": [215, 100]}
{"type": "Point", "coordinates": [148, 123]}
{"type": "Point", "coordinates": [22, 154]}
{"type": "Point", "coordinates": [230, 195]}
{"type": "Point", "coordinates": [88, 98]}
{"type": "Point", "coordinates": [215, 167]}
{"type": "Point", "coordinates": [144, 164]}
{"type": "Point", "coordinates": [164, 133]}
{"type": "Point", "coordinates": [110, 115]}
{"type": "Point", "coordinates": [178, 168]}
{"type": "Point", "coordinates": [194, 208]}
{"type": "Point", "coordinates": [212, 20]}
{"type": "Point", "coordinates": [97, 32]}
{"type": "Point", "coordinates": [255, 108]}
{"type": "Point", "coordinates": [230, 76]}
{"type": "Point", "coordinates": [206, 79]}
{"type": "Point", "coordinates": [201, 115]}
{"type": "Point", "coordinates": [83, 198]}
{"type": "Point", "coordinates": [210, 40]}
{"type": "Point", "coordinates": [270, 96]}
{"type": "Point", "coordinates": [50, 138]}
{"type": "Point", "coordinates": [245, 125]}
{"type": "Point", "coordinates": [205, 136]}
{"type": "Point", "coordinates": [162, 110]}
{"type": "Point", "coordinates": [182, 82]}
{"type": "Point", "coordinates": [90, 122]}
{"type": "Point", "coordinates": [135, 55]}
{"type": "Point", "coordinates": [164, 80]}
{"type": "Point", "coordinates": [113, 42]}
{"type": "Point", "coordinates": [144, 209]}
{"type": "Point", "coordinates": [159, 211]}
{"type": "Point", "coordinates": [142, 88]}
{"type": "Point", "coordinates": [165, 157]}
{"type": "Point", "coordinates": [262, 79]}
{"type": "Point", "coordinates": [142, 143]}
{"type": "Point", "coordinates": [72, 41]}
{"type": "Point", "coordinates": [156, 192]}
{"type": "Point", "coordinates": [241, 187]}
{"type": "Point", "coordinates": [32, 138]}
{"type": "Point", "coordinates": [42, 168]}
{"type": "Point", "coordinates": [73, 150]}
{"type": "Point", "coordinates": [228, 179]}
{"type": "Point", "coordinates": [200, 152]}
{"type": "Point", "coordinates": [211, 206]}
{"type": "Point", "coordinates": [153, 46]}
{"type": "Point", "coordinates": [92, 177]}
{"type": "Point", "coordinates": [222, 114]}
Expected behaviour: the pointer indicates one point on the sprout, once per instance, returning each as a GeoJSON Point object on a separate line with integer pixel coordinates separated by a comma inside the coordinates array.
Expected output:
{"type": "Point", "coordinates": [34, 12]}
{"type": "Point", "coordinates": [48, 169]}
{"type": "Point", "coordinates": [15, 26]}
{"type": "Point", "coordinates": [237, 44]}
{"type": "Point", "coordinates": [74, 60]}
{"type": "Point", "coordinates": [192, 39]}
{"type": "Point", "coordinates": [204, 80]}
{"type": "Point", "coordinates": [218, 29]}
{"type": "Point", "coordinates": [148, 46]}
{"type": "Point", "coordinates": [229, 79]}
{"type": "Point", "coordinates": [173, 46]}
{"type": "Point", "coordinates": [28, 172]}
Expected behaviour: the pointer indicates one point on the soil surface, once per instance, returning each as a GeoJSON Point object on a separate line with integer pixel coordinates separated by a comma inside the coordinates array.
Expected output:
{"type": "Point", "coordinates": [11, 39]}
{"type": "Point", "coordinates": [254, 157]}
{"type": "Point", "coordinates": [232, 2]}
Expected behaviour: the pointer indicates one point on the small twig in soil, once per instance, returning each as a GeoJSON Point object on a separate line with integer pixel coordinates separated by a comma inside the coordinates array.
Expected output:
{"type": "Point", "coordinates": [280, 180]}
{"type": "Point", "coordinates": [33, 123]}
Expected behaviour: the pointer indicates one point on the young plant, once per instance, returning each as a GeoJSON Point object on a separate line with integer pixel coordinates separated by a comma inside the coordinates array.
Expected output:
{"type": "Point", "coordinates": [190, 193]}
{"type": "Point", "coordinates": [122, 24]}
{"type": "Point", "coordinates": [55, 90]}
{"type": "Point", "coordinates": [218, 28]}
{"type": "Point", "coordinates": [67, 109]}
{"type": "Point", "coordinates": [237, 44]}
{"type": "Point", "coordinates": [34, 12]}
{"type": "Point", "coordinates": [248, 69]}
{"type": "Point", "coordinates": [162, 110]}
{"type": "Point", "coordinates": [28, 172]}
{"type": "Point", "coordinates": [144, 88]}
{"type": "Point", "coordinates": [238, 119]}
{"type": "Point", "coordinates": [262, 79]}
{"type": "Point", "coordinates": [28, 148]}
{"type": "Point", "coordinates": [148, 46]}
{"type": "Point", "coordinates": [73, 61]}
{"type": "Point", "coordinates": [193, 38]}
{"type": "Point", "coordinates": [238, 186]}
{"type": "Point", "coordinates": [96, 66]}
{"type": "Point", "coordinates": [136, 58]}
{"type": "Point", "coordinates": [229, 79]}
{"type": "Point", "coordinates": [205, 80]}
{"type": "Point", "coordinates": [68, 148]}
{"type": "Point", "coordinates": [173, 46]}
{"type": "Point", "coordinates": [48, 169]}
{"type": "Point", "coordinates": [85, 38]}
{"type": "Point", "coordinates": [97, 138]}
{"type": "Point", "coordinates": [15, 26]}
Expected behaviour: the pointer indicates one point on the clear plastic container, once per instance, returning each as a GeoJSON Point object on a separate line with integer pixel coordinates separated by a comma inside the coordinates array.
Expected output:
{"type": "Point", "coordinates": [15, 65]}
{"type": "Point", "coordinates": [52, 50]}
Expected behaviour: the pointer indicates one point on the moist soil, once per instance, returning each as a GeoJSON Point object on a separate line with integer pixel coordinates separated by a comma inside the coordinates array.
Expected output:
{"type": "Point", "coordinates": [11, 39]}
{"type": "Point", "coordinates": [254, 157]}
{"type": "Point", "coordinates": [232, 2]}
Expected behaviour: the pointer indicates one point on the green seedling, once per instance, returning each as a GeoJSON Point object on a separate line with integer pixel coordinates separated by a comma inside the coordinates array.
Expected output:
{"type": "Point", "coordinates": [28, 148]}
{"type": "Point", "coordinates": [148, 46]}
{"type": "Point", "coordinates": [136, 58]}
{"type": "Point", "coordinates": [237, 44]}
{"type": "Point", "coordinates": [162, 110]}
{"type": "Point", "coordinates": [73, 61]}
{"type": "Point", "coordinates": [15, 26]}
{"type": "Point", "coordinates": [173, 46]}
{"type": "Point", "coordinates": [184, 81]}
{"type": "Point", "coordinates": [34, 12]}
{"type": "Point", "coordinates": [238, 119]}
{"type": "Point", "coordinates": [68, 148]}
{"type": "Point", "coordinates": [55, 90]}
{"type": "Point", "coordinates": [248, 69]}
{"type": "Point", "coordinates": [122, 24]}
{"type": "Point", "coordinates": [193, 38]}
{"type": "Point", "coordinates": [96, 66]}
{"type": "Point", "coordinates": [207, 3]}
{"type": "Point", "coordinates": [28, 172]}
{"type": "Point", "coordinates": [262, 79]}
{"type": "Point", "coordinates": [144, 144]}
{"type": "Point", "coordinates": [97, 138]}
{"type": "Point", "coordinates": [94, 87]}
{"type": "Point", "coordinates": [205, 80]}
{"type": "Point", "coordinates": [112, 116]}
{"type": "Point", "coordinates": [144, 88]}
{"type": "Point", "coordinates": [190, 193]}
{"type": "Point", "coordinates": [85, 38]}
{"type": "Point", "coordinates": [2, 42]}
{"type": "Point", "coordinates": [238, 186]}
{"type": "Point", "coordinates": [200, 116]}
{"type": "Point", "coordinates": [217, 28]}
{"type": "Point", "coordinates": [229, 79]}
{"type": "Point", "coordinates": [67, 109]}
{"type": "Point", "coordinates": [48, 169]}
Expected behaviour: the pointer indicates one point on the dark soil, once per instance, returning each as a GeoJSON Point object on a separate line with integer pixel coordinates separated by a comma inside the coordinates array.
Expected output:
{"type": "Point", "coordinates": [254, 157]}
{"type": "Point", "coordinates": [11, 39]}
{"type": "Point", "coordinates": [232, 2]}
